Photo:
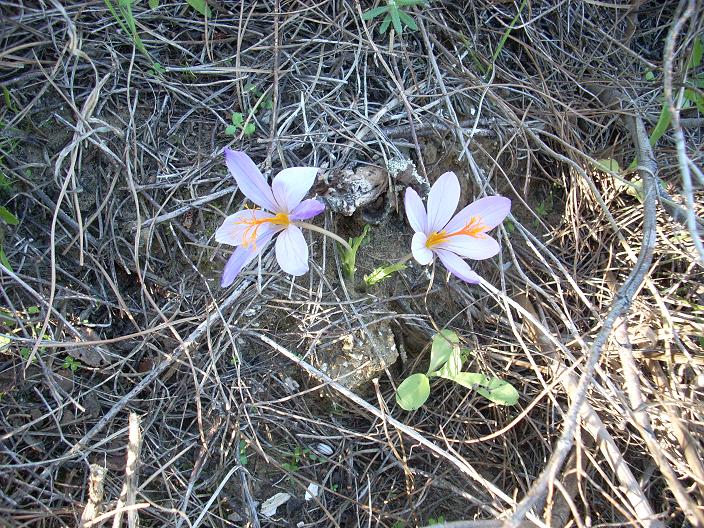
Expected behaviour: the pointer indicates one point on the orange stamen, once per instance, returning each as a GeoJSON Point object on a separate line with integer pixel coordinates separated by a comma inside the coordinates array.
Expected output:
{"type": "Point", "coordinates": [253, 224]}
{"type": "Point", "coordinates": [473, 228]}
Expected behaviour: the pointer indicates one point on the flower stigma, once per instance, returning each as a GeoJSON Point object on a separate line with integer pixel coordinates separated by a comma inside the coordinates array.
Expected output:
{"type": "Point", "coordinates": [249, 237]}
{"type": "Point", "coordinates": [474, 228]}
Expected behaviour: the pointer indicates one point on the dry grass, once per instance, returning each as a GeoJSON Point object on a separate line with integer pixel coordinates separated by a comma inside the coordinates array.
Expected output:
{"type": "Point", "coordinates": [118, 183]}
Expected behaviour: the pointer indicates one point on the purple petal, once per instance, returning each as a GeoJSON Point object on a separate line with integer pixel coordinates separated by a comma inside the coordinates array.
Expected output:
{"type": "Point", "coordinates": [291, 185]}
{"type": "Point", "coordinates": [240, 258]}
{"type": "Point", "coordinates": [420, 251]}
{"type": "Point", "coordinates": [415, 211]}
{"type": "Point", "coordinates": [292, 251]}
{"type": "Point", "coordinates": [249, 179]}
{"type": "Point", "coordinates": [442, 201]}
{"type": "Point", "coordinates": [491, 210]}
{"type": "Point", "coordinates": [458, 267]}
{"type": "Point", "coordinates": [470, 247]}
{"type": "Point", "coordinates": [236, 228]}
{"type": "Point", "coordinates": [307, 209]}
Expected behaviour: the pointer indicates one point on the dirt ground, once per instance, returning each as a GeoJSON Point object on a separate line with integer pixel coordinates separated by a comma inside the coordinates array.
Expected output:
{"type": "Point", "coordinates": [135, 391]}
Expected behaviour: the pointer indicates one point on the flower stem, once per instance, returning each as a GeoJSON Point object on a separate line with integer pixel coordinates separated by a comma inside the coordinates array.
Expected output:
{"type": "Point", "coordinates": [325, 232]}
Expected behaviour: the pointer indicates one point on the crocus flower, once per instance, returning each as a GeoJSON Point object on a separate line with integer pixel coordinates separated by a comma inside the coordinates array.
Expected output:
{"type": "Point", "coordinates": [282, 204]}
{"type": "Point", "coordinates": [454, 238]}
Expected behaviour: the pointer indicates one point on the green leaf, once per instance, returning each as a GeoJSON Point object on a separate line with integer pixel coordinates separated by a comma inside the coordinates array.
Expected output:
{"type": "Point", "coordinates": [5, 183]}
{"type": "Point", "coordinates": [4, 342]}
{"type": "Point", "coordinates": [471, 380]}
{"type": "Point", "coordinates": [607, 165]}
{"type": "Point", "coordinates": [385, 24]}
{"type": "Point", "coordinates": [443, 344]}
{"type": "Point", "coordinates": [249, 129]}
{"type": "Point", "coordinates": [661, 126]}
{"type": "Point", "coordinates": [413, 392]}
{"type": "Point", "coordinates": [406, 19]}
{"type": "Point", "coordinates": [237, 118]}
{"type": "Point", "coordinates": [396, 20]}
{"type": "Point", "coordinates": [697, 53]}
{"type": "Point", "coordinates": [649, 75]}
{"type": "Point", "coordinates": [4, 261]}
{"type": "Point", "coordinates": [499, 391]}
{"type": "Point", "coordinates": [33, 310]}
{"type": "Point", "coordinates": [8, 217]}
{"type": "Point", "coordinates": [153, 4]}
{"type": "Point", "coordinates": [373, 13]}
{"type": "Point", "coordinates": [381, 273]}
{"type": "Point", "coordinates": [201, 6]}
{"type": "Point", "coordinates": [230, 130]}
{"type": "Point", "coordinates": [453, 366]}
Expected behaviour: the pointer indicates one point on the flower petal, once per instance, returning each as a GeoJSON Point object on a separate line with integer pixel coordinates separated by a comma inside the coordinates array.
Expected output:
{"type": "Point", "coordinates": [458, 267]}
{"type": "Point", "coordinates": [415, 211]}
{"type": "Point", "coordinates": [240, 258]}
{"type": "Point", "coordinates": [249, 179]}
{"type": "Point", "coordinates": [442, 201]}
{"type": "Point", "coordinates": [307, 209]}
{"type": "Point", "coordinates": [239, 226]}
{"type": "Point", "coordinates": [470, 247]}
{"type": "Point", "coordinates": [291, 185]}
{"type": "Point", "coordinates": [292, 251]}
{"type": "Point", "coordinates": [491, 210]}
{"type": "Point", "coordinates": [420, 251]}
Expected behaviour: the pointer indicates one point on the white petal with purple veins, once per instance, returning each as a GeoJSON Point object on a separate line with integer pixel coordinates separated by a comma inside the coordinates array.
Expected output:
{"type": "Point", "coordinates": [470, 247]}
{"type": "Point", "coordinates": [292, 251]}
{"type": "Point", "coordinates": [442, 201]}
{"type": "Point", "coordinates": [491, 210]}
{"type": "Point", "coordinates": [458, 267]}
{"type": "Point", "coordinates": [420, 251]}
{"type": "Point", "coordinates": [415, 211]}
{"type": "Point", "coordinates": [307, 209]}
{"type": "Point", "coordinates": [250, 179]}
{"type": "Point", "coordinates": [291, 185]}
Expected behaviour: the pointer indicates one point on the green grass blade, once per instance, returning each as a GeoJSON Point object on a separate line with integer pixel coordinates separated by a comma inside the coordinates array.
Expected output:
{"type": "Point", "coordinates": [408, 20]}
{"type": "Point", "coordinates": [373, 13]}
{"type": "Point", "coordinates": [396, 20]}
{"type": "Point", "coordinates": [510, 27]}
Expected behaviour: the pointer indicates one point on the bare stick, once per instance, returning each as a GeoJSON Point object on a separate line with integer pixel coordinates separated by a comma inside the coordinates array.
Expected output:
{"type": "Point", "coordinates": [95, 494]}
{"type": "Point", "coordinates": [128, 495]}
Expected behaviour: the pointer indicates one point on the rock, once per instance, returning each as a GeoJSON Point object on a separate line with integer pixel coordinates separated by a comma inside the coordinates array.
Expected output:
{"type": "Point", "coordinates": [356, 359]}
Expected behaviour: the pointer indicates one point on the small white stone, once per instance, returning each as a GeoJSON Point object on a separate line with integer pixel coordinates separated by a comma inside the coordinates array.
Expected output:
{"type": "Point", "coordinates": [312, 491]}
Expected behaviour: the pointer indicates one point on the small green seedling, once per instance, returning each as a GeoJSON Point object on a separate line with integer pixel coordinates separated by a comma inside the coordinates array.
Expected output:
{"type": "Point", "coordinates": [71, 364]}
{"type": "Point", "coordinates": [394, 14]}
{"type": "Point", "coordinates": [244, 458]}
{"type": "Point", "coordinates": [8, 218]}
{"type": "Point", "coordinates": [446, 359]}
{"type": "Point", "coordinates": [349, 256]}
{"type": "Point", "coordinates": [296, 456]}
{"type": "Point", "coordinates": [238, 124]}
{"type": "Point", "coordinates": [121, 11]}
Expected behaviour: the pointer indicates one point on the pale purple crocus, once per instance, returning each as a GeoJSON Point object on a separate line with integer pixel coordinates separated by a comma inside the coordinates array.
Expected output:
{"type": "Point", "coordinates": [251, 230]}
{"type": "Point", "coordinates": [454, 238]}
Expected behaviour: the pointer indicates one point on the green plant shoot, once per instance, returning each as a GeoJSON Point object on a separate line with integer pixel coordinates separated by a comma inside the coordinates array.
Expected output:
{"type": "Point", "coordinates": [446, 359]}
{"type": "Point", "coordinates": [349, 256]}
{"type": "Point", "coordinates": [394, 14]}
